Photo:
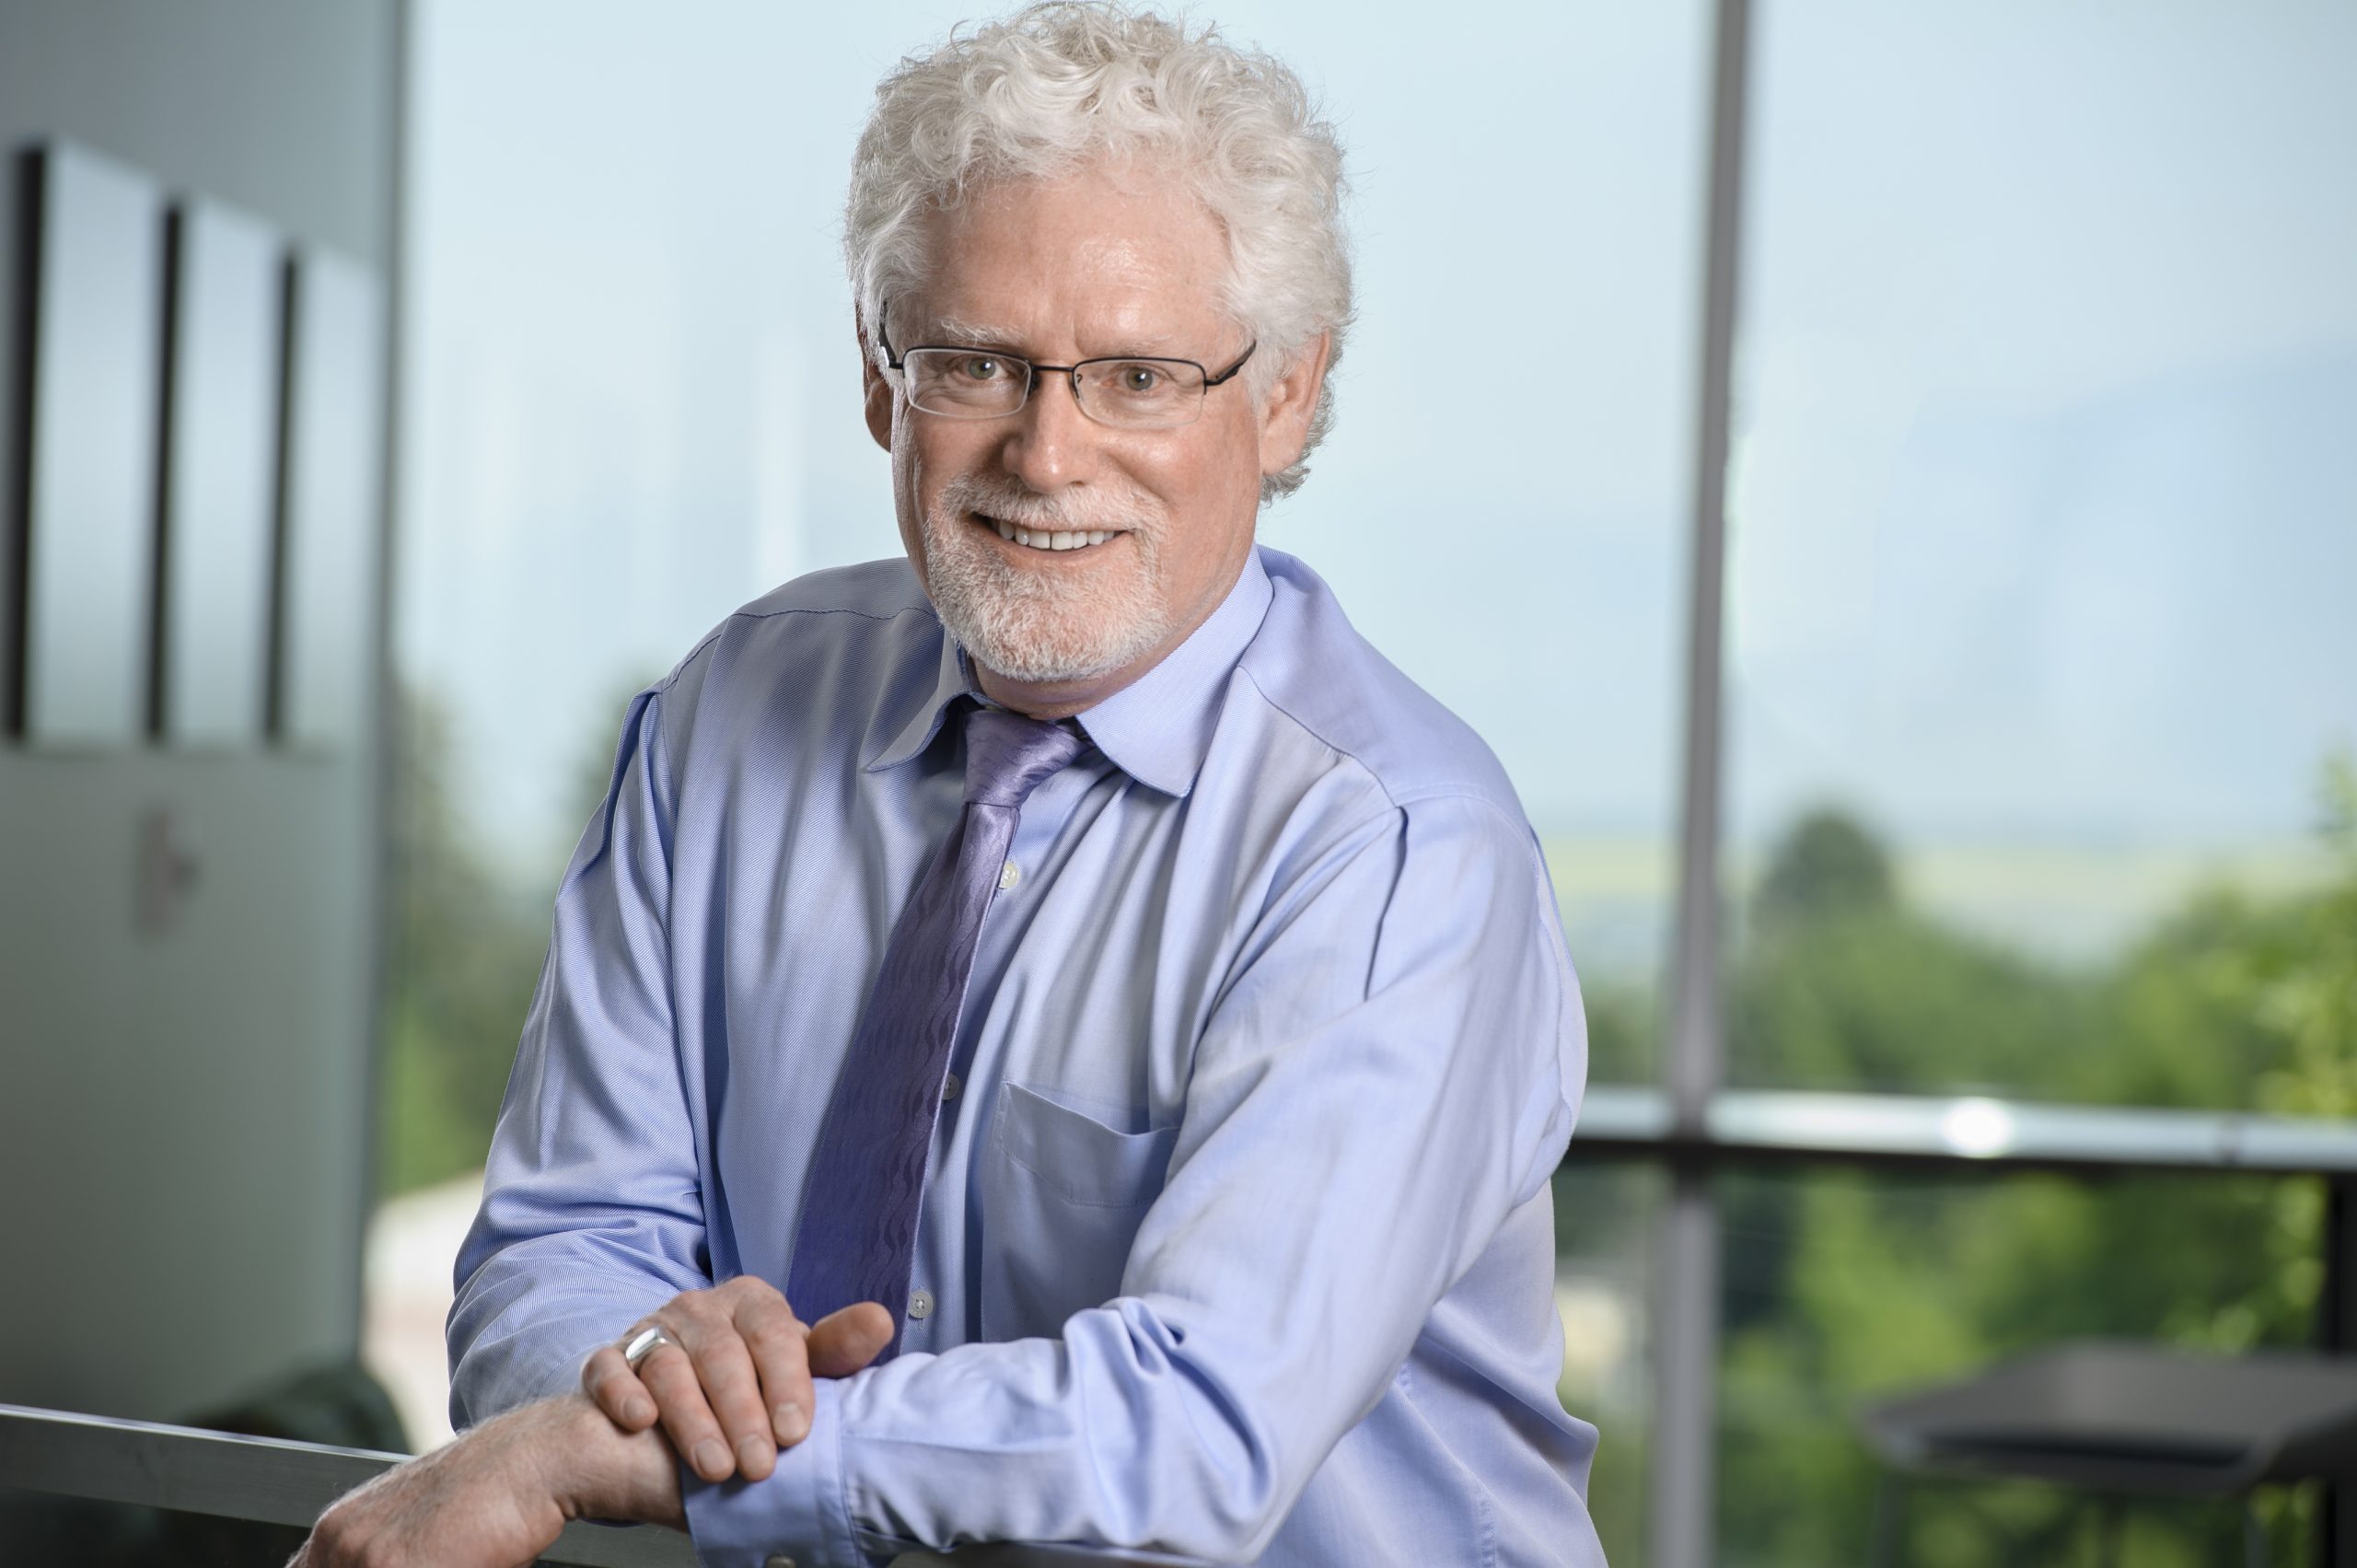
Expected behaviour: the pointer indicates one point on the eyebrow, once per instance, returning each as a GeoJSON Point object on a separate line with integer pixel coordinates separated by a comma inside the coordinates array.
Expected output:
{"type": "Point", "coordinates": [965, 334]}
{"type": "Point", "coordinates": [950, 332]}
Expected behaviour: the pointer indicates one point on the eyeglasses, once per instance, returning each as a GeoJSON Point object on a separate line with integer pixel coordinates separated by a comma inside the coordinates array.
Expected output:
{"type": "Point", "coordinates": [1128, 393]}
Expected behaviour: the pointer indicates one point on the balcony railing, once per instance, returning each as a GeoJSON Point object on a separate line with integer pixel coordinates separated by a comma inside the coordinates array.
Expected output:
{"type": "Point", "coordinates": [257, 1478]}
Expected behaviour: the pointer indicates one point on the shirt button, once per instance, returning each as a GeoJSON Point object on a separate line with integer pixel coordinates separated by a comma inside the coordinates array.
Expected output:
{"type": "Point", "coordinates": [1008, 875]}
{"type": "Point", "coordinates": [950, 1087]}
{"type": "Point", "coordinates": [777, 1560]}
{"type": "Point", "coordinates": [920, 1305]}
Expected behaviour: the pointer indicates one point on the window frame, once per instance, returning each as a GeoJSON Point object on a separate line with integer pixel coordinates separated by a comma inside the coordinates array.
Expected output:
{"type": "Point", "coordinates": [1695, 1127]}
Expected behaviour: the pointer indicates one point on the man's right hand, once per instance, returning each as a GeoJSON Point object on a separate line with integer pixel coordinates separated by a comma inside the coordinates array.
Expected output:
{"type": "Point", "coordinates": [733, 1386]}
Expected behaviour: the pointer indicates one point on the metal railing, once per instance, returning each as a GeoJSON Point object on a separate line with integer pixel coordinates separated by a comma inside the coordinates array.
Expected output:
{"type": "Point", "coordinates": [1739, 1126]}
{"type": "Point", "coordinates": [258, 1479]}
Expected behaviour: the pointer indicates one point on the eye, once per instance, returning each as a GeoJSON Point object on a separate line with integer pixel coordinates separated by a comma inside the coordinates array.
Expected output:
{"type": "Point", "coordinates": [979, 367]}
{"type": "Point", "coordinates": [1138, 379]}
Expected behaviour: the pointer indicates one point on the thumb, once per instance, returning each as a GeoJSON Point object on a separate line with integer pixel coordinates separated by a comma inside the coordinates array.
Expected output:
{"type": "Point", "coordinates": [843, 1342]}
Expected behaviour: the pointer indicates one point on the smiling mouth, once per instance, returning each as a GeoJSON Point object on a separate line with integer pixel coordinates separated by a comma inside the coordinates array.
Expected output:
{"type": "Point", "coordinates": [1045, 539]}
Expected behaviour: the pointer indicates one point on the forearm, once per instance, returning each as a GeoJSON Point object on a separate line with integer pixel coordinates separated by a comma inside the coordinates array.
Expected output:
{"type": "Point", "coordinates": [501, 1493]}
{"type": "Point", "coordinates": [1131, 1436]}
{"type": "Point", "coordinates": [596, 1470]}
{"type": "Point", "coordinates": [528, 1314]}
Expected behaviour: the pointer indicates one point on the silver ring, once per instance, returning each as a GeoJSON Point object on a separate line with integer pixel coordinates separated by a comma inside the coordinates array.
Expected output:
{"type": "Point", "coordinates": [642, 1345]}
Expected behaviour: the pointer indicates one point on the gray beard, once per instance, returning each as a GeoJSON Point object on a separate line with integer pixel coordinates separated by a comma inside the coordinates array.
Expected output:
{"type": "Point", "coordinates": [1044, 626]}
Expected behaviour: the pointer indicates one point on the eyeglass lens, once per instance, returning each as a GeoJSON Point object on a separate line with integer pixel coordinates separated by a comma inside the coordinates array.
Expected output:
{"type": "Point", "coordinates": [964, 384]}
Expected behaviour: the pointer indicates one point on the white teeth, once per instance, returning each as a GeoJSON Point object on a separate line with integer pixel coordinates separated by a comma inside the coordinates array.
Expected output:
{"type": "Point", "coordinates": [1047, 539]}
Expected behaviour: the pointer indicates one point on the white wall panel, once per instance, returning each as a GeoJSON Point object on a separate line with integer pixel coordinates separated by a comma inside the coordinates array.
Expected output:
{"type": "Point", "coordinates": [97, 347]}
{"type": "Point", "coordinates": [223, 447]}
{"type": "Point", "coordinates": [329, 594]}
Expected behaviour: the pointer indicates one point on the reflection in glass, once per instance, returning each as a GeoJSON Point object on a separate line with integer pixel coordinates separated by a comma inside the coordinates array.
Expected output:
{"type": "Point", "coordinates": [1842, 1288]}
{"type": "Point", "coordinates": [96, 345]}
{"type": "Point", "coordinates": [2043, 517]}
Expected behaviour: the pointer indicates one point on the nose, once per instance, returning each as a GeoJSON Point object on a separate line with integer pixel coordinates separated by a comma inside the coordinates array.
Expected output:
{"type": "Point", "coordinates": [1049, 443]}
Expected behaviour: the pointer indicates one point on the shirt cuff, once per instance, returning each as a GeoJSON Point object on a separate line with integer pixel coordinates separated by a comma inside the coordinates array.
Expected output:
{"type": "Point", "coordinates": [801, 1514]}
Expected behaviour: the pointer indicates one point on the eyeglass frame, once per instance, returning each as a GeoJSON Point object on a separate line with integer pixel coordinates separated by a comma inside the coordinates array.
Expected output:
{"type": "Point", "coordinates": [893, 360]}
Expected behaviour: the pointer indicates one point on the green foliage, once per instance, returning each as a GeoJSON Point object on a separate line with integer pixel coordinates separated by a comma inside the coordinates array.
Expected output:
{"type": "Point", "coordinates": [1621, 1027]}
{"type": "Point", "coordinates": [1829, 866]}
{"type": "Point", "coordinates": [464, 961]}
{"type": "Point", "coordinates": [466, 951]}
{"type": "Point", "coordinates": [1842, 1288]}
{"type": "Point", "coordinates": [2301, 981]}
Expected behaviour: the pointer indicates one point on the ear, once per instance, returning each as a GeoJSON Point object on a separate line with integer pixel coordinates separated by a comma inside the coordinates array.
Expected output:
{"type": "Point", "coordinates": [1285, 419]}
{"type": "Point", "coordinates": [878, 394]}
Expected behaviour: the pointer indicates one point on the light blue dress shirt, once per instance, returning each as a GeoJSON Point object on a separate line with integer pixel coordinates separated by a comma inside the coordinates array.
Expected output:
{"type": "Point", "coordinates": [1237, 1240]}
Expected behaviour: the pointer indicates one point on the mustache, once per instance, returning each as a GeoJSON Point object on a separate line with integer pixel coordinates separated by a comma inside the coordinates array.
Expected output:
{"type": "Point", "coordinates": [1012, 501]}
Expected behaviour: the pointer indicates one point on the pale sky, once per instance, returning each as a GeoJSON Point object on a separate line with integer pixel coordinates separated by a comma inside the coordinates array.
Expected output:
{"type": "Point", "coordinates": [2044, 509]}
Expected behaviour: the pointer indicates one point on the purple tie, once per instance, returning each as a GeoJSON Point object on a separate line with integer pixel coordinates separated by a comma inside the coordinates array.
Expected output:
{"type": "Point", "coordinates": [857, 1234]}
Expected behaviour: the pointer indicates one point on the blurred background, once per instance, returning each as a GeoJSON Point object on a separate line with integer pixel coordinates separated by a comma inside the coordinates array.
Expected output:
{"type": "Point", "coordinates": [1882, 478]}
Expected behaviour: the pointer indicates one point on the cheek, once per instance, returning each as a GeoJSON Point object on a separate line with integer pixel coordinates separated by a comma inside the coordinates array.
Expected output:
{"type": "Point", "coordinates": [919, 475]}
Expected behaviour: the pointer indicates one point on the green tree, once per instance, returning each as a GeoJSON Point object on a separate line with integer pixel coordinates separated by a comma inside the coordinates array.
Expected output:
{"type": "Point", "coordinates": [467, 948]}
{"type": "Point", "coordinates": [465, 957]}
{"type": "Point", "coordinates": [1842, 1288]}
{"type": "Point", "coordinates": [1828, 865]}
{"type": "Point", "coordinates": [1841, 986]}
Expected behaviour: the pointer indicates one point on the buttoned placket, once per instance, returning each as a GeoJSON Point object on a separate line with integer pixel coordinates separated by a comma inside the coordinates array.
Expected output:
{"type": "Point", "coordinates": [940, 1261]}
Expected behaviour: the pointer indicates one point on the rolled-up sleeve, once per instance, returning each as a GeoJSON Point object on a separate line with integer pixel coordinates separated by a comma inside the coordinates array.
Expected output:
{"type": "Point", "coordinates": [592, 1212]}
{"type": "Point", "coordinates": [1393, 1066]}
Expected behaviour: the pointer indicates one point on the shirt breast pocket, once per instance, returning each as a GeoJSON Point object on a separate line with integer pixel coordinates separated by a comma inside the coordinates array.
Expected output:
{"type": "Point", "coordinates": [1063, 1195]}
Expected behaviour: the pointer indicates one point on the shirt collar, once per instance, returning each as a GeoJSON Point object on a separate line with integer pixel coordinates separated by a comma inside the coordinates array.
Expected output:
{"type": "Point", "coordinates": [1157, 728]}
{"type": "Point", "coordinates": [914, 732]}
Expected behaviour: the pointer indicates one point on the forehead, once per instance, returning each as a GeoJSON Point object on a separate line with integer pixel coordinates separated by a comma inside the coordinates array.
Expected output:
{"type": "Point", "coordinates": [1103, 254]}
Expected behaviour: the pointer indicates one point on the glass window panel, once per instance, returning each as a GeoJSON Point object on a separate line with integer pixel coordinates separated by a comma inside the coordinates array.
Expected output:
{"type": "Point", "coordinates": [1840, 1289]}
{"type": "Point", "coordinates": [633, 407]}
{"type": "Point", "coordinates": [1503, 505]}
{"type": "Point", "coordinates": [1605, 1220]}
{"type": "Point", "coordinates": [2042, 522]}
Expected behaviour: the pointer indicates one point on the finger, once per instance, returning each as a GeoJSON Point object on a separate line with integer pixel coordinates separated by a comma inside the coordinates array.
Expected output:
{"type": "Point", "coordinates": [774, 1336]}
{"type": "Point", "coordinates": [687, 1420]}
{"type": "Point", "coordinates": [842, 1342]}
{"type": "Point", "coordinates": [733, 1391]}
{"type": "Point", "coordinates": [608, 1380]}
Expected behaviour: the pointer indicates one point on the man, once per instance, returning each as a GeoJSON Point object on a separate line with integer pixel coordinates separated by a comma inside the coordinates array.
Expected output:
{"type": "Point", "coordinates": [1069, 971]}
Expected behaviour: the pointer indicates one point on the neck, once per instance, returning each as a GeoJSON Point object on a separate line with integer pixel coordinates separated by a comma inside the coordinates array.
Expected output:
{"type": "Point", "coordinates": [1057, 698]}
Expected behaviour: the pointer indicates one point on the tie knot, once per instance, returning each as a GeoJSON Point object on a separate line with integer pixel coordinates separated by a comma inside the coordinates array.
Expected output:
{"type": "Point", "coordinates": [1009, 755]}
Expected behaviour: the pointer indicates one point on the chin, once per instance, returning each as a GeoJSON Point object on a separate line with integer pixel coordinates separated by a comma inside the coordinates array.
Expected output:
{"type": "Point", "coordinates": [1042, 640]}
{"type": "Point", "coordinates": [1042, 618]}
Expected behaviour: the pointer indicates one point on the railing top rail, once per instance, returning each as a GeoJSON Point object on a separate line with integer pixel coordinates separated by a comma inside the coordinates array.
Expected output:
{"type": "Point", "coordinates": [110, 1460]}
{"type": "Point", "coordinates": [1960, 1129]}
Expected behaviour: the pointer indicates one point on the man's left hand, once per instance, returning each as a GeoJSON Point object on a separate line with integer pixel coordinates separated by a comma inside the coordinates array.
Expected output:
{"type": "Point", "coordinates": [498, 1497]}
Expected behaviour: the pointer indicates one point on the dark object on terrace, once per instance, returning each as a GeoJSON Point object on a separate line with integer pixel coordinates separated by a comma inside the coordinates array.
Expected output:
{"type": "Point", "coordinates": [2121, 1419]}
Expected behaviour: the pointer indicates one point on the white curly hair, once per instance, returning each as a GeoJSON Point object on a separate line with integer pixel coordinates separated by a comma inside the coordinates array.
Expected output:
{"type": "Point", "coordinates": [1059, 84]}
